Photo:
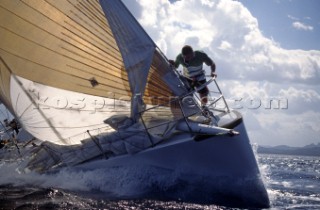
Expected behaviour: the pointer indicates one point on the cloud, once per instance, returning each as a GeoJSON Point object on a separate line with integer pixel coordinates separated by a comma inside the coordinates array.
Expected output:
{"type": "Point", "coordinates": [292, 17]}
{"type": "Point", "coordinates": [290, 111]}
{"type": "Point", "coordinates": [301, 100]}
{"type": "Point", "coordinates": [228, 32]}
{"type": "Point", "coordinates": [295, 129]}
{"type": "Point", "coordinates": [302, 26]}
{"type": "Point", "coordinates": [284, 97]}
{"type": "Point", "coordinates": [249, 64]}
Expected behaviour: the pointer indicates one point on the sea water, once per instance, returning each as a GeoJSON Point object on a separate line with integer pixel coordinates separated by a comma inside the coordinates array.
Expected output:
{"type": "Point", "coordinates": [293, 182]}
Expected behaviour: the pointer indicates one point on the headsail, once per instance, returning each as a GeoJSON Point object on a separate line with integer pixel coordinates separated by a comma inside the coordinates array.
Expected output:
{"type": "Point", "coordinates": [136, 48]}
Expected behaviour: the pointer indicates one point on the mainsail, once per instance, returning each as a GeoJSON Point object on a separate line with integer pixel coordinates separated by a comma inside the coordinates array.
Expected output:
{"type": "Point", "coordinates": [62, 62]}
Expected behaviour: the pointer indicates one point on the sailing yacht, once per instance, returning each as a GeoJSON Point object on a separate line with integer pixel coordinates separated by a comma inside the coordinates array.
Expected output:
{"type": "Point", "coordinates": [91, 86]}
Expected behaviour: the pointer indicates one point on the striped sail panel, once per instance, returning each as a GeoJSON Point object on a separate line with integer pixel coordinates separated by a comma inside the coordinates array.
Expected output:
{"type": "Point", "coordinates": [57, 44]}
{"type": "Point", "coordinates": [63, 44]}
{"type": "Point", "coordinates": [66, 45]}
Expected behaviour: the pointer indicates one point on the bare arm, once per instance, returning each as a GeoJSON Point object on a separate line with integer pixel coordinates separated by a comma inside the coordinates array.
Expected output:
{"type": "Point", "coordinates": [213, 70]}
{"type": "Point", "coordinates": [210, 63]}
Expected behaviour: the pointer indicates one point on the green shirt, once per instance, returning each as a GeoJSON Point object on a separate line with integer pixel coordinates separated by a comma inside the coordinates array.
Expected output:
{"type": "Point", "coordinates": [195, 66]}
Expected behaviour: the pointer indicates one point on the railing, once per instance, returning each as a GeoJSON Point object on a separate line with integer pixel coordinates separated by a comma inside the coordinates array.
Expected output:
{"type": "Point", "coordinates": [184, 116]}
{"type": "Point", "coordinates": [221, 96]}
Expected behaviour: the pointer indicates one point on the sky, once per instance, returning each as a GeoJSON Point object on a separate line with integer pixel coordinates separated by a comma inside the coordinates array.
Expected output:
{"type": "Point", "coordinates": [264, 50]}
{"type": "Point", "coordinates": [293, 24]}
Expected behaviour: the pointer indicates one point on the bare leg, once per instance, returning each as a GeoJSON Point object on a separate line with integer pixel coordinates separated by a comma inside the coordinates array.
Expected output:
{"type": "Point", "coordinates": [204, 99]}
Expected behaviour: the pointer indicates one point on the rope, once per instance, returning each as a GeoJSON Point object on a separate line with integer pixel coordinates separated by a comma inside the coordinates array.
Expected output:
{"type": "Point", "coordinates": [96, 141]}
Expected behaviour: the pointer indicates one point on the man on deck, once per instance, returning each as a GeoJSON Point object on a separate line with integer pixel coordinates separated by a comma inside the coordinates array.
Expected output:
{"type": "Point", "coordinates": [192, 62]}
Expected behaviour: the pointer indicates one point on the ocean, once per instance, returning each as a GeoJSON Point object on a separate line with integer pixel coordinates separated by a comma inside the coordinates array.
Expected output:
{"type": "Point", "coordinates": [293, 182]}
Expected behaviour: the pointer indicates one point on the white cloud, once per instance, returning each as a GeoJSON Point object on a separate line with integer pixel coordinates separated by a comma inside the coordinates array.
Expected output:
{"type": "Point", "coordinates": [225, 45]}
{"type": "Point", "coordinates": [301, 100]}
{"type": "Point", "coordinates": [286, 97]}
{"type": "Point", "coordinates": [305, 95]}
{"type": "Point", "coordinates": [228, 32]}
{"type": "Point", "coordinates": [302, 26]}
{"type": "Point", "coordinates": [292, 17]}
{"type": "Point", "coordinates": [248, 64]}
{"type": "Point", "coordinates": [279, 128]}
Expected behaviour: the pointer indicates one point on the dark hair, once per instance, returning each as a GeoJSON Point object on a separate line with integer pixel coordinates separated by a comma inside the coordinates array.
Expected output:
{"type": "Point", "coordinates": [186, 50]}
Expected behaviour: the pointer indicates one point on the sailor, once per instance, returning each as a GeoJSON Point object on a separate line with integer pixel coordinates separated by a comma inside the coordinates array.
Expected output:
{"type": "Point", "coordinates": [192, 62]}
